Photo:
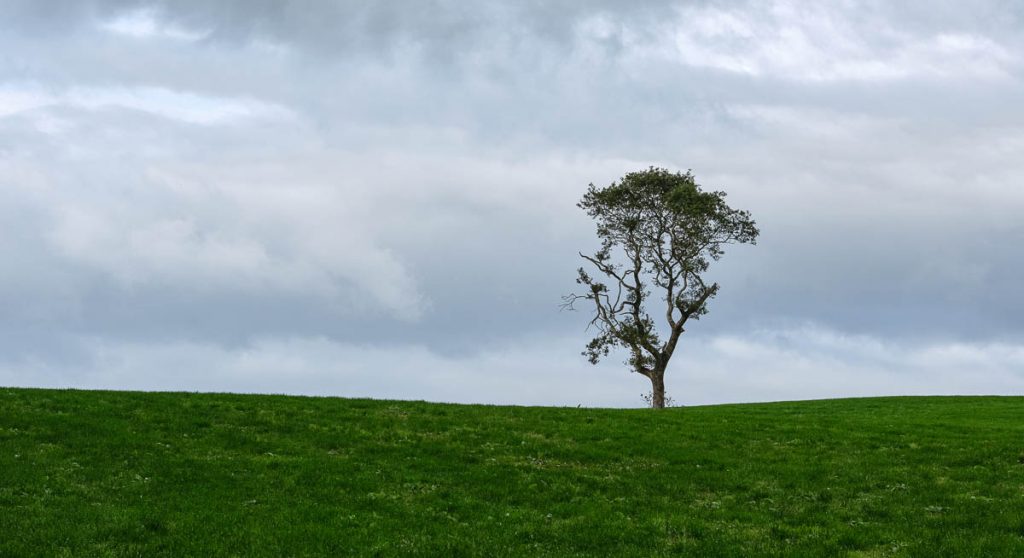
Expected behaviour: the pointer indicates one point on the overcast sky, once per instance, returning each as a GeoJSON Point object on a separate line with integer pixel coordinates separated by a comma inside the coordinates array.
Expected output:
{"type": "Point", "coordinates": [378, 199]}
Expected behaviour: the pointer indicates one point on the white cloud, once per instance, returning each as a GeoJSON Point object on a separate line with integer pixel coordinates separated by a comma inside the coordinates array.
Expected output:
{"type": "Point", "coordinates": [815, 124]}
{"type": "Point", "coordinates": [176, 105]}
{"type": "Point", "coordinates": [184, 106]}
{"type": "Point", "coordinates": [146, 24]}
{"type": "Point", "coordinates": [212, 229]}
{"type": "Point", "coordinates": [15, 100]}
{"type": "Point", "coordinates": [819, 43]}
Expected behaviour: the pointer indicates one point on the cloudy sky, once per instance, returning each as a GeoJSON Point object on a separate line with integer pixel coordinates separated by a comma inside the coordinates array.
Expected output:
{"type": "Point", "coordinates": [378, 199]}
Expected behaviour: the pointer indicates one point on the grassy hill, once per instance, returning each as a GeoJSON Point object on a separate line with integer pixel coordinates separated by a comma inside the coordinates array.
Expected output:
{"type": "Point", "coordinates": [172, 474]}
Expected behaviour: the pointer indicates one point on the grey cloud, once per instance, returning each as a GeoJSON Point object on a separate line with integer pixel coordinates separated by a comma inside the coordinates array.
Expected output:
{"type": "Point", "coordinates": [238, 173]}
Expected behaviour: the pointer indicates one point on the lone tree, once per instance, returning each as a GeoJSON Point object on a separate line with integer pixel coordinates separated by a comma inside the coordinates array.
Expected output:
{"type": "Point", "coordinates": [658, 231]}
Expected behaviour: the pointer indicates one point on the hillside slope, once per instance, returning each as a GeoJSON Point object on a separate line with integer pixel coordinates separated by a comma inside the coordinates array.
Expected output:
{"type": "Point", "coordinates": [171, 474]}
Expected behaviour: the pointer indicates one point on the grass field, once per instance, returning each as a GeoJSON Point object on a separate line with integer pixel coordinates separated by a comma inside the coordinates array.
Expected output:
{"type": "Point", "coordinates": [170, 474]}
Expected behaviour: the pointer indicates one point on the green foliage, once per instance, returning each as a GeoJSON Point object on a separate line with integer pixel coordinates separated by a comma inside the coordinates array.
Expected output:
{"type": "Point", "coordinates": [133, 474]}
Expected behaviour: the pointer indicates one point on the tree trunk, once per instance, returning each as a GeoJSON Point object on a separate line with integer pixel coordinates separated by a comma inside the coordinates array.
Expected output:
{"type": "Point", "coordinates": [658, 389]}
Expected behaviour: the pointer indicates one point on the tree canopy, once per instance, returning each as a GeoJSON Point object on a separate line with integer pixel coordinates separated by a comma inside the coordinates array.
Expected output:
{"type": "Point", "coordinates": [659, 231]}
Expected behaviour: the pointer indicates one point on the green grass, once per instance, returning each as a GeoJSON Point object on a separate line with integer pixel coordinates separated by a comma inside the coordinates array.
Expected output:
{"type": "Point", "coordinates": [171, 474]}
